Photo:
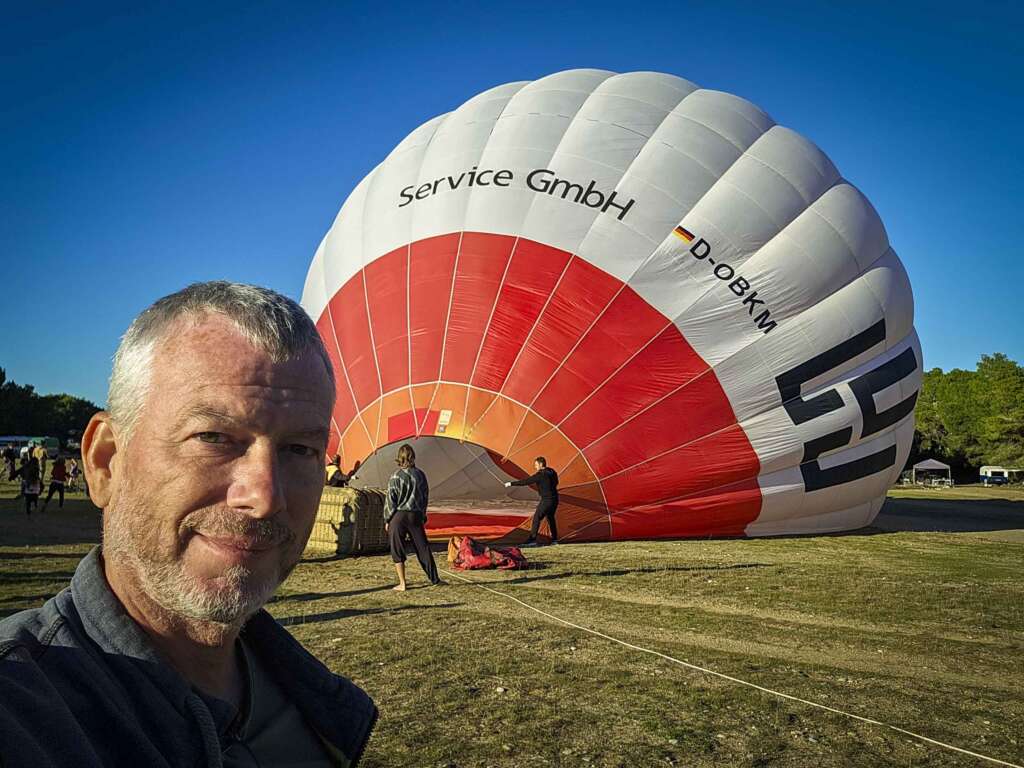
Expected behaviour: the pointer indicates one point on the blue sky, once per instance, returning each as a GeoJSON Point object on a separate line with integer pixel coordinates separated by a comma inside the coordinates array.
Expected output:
{"type": "Point", "coordinates": [146, 146]}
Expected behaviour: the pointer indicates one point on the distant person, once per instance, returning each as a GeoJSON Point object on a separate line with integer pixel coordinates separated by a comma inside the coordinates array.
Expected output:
{"type": "Point", "coordinates": [332, 468]}
{"type": "Point", "coordinates": [546, 480]}
{"type": "Point", "coordinates": [74, 472]}
{"type": "Point", "coordinates": [10, 461]}
{"type": "Point", "coordinates": [31, 485]}
{"type": "Point", "coordinates": [41, 456]}
{"type": "Point", "coordinates": [58, 476]}
{"type": "Point", "coordinates": [405, 516]}
{"type": "Point", "coordinates": [336, 477]}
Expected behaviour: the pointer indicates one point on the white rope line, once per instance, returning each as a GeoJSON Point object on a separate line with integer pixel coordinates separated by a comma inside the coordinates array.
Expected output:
{"type": "Point", "coordinates": [731, 679]}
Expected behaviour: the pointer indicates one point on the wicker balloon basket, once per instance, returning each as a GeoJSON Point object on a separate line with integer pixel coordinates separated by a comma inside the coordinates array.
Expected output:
{"type": "Point", "coordinates": [350, 521]}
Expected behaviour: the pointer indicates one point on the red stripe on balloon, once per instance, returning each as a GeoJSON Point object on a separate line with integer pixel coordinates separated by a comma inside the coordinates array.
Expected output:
{"type": "Point", "coordinates": [386, 298]}
{"type": "Point", "coordinates": [529, 281]}
{"type": "Point", "coordinates": [725, 512]}
{"type": "Point", "coordinates": [701, 466]}
{"type": "Point", "coordinates": [482, 262]}
{"type": "Point", "coordinates": [432, 263]}
{"type": "Point", "coordinates": [344, 403]}
{"type": "Point", "coordinates": [352, 329]}
{"type": "Point", "coordinates": [628, 323]}
{"type": "Point", "coordinates": [583, 292]}
{"type": "Point", "coordinates": [665, 364]}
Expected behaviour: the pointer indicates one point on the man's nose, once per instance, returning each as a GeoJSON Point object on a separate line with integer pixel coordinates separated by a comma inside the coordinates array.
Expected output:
{"type": "Point", "coordinates": [257, 485]}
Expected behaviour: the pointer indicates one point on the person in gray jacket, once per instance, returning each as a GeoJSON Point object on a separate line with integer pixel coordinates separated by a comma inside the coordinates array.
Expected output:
{"type": "Point", "coordinates": [208, 467]}
{"type": "Point", "coordinates": [405, 517]}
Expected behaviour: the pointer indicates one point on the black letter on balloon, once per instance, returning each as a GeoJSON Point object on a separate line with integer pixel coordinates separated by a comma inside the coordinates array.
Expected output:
{"type": "Point", "coordinates": [864, 388]}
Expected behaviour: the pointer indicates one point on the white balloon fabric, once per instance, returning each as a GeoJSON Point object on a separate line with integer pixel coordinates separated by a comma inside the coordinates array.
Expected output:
{"type": "Point", "coordinates": [680, 304]}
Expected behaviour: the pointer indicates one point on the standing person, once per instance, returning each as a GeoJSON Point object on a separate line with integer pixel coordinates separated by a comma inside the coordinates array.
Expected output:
{"type": "Point", "coordinates": [546, 480]}
{"type": "Point", "coordinates": [405, 514]}
{"type": "Point", "coordinates": [10, 456]}
{"type": "Point", "coordinates": [339, 478]}
{"type": "Point", "coordinates": [58, 475]}
{"type": "Point", "coordinates": [31, 485]}
{"type": "Point", "coordinates": [209, 469]}
{"type": "Point", "coordinates": [42, 457]}
{"type": "Point", "coordinates": [73, 473]}
{"type": "Point", "coordinates": [333, 468]}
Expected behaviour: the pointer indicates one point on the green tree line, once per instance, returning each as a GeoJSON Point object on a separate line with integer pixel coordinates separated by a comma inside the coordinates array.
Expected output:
{"type": "Point", "coordinates": [25, 412]}
{"type": "Point", "coordinates": [972, 418]}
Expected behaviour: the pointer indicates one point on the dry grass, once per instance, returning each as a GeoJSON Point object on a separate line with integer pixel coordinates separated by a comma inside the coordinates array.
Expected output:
{"type": "Point", "coordinates": [921, 629]}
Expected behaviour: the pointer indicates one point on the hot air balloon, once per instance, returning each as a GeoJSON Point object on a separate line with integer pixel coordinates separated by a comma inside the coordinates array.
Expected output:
{"type": "Point", "coordinates": [680, 304]}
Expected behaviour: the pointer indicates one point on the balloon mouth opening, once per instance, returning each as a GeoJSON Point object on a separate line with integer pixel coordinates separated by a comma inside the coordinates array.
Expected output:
{"type": "Point", "coordinates": [455, 469]}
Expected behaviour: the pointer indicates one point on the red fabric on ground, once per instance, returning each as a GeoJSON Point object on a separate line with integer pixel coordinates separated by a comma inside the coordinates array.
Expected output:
{"type": "Point", "coordinates": [473, 555]}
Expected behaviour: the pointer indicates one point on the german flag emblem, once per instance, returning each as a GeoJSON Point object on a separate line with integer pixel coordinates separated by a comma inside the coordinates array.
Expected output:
{"type": "Point", "coordinates": [683, 234]}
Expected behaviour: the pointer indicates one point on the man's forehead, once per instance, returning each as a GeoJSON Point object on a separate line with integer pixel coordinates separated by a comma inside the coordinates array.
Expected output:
{"type": "Point", "coordinates": [211, 353]}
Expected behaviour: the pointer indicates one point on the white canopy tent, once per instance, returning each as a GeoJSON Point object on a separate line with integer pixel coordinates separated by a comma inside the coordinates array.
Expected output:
{"type": "Point", "coordinates": [931, 467]}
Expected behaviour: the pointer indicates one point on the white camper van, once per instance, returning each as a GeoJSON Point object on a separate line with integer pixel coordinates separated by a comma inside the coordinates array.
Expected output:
{"type": "Point", "coordinates": [1000, 475]}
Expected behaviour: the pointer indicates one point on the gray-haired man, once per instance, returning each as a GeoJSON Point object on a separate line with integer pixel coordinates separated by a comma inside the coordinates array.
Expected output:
{"type": "Point", "coordinates": [208, 468]}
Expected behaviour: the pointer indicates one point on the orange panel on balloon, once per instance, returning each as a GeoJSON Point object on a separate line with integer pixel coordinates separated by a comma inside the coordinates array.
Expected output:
{"type": "Point", "coordinates": [582, 523]}
{"type": "Point", "coordinates": [477, 402]}
{"type": "Point", "coordinates": [356, 443]}
{"type": "Point", "coordinates": [497, 423]}
{"type": "Point", "coordinates": [451, 398]}
{"type": "Point", "coordinates": [554, 447]}
{"type": "Point", "coordinates": [423, 395]}
{"type": "Point", "coordinates": [532, 429]}
{"type": "Point", "coordinates": [577, 473]}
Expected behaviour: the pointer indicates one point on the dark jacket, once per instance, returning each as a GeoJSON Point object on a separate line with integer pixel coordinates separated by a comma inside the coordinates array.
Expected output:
{"type": "Point", "coordinates": [546, 480]}
{"type": "Point", "coordinates": [80, 685]}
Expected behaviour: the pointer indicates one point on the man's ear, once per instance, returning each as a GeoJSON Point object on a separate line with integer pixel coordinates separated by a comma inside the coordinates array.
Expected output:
{"type": "Point", "coordinates": [99, 449]}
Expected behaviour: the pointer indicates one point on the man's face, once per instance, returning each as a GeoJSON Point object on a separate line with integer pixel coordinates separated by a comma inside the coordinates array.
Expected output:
{"type": "Point", "coordinates": [538, 466]}
{"type": "Point", "coordinates": [214, 496]}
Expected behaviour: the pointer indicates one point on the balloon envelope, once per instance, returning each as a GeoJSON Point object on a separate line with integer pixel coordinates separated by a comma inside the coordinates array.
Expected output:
{"type": "Point", "coordinates": [678, 303]}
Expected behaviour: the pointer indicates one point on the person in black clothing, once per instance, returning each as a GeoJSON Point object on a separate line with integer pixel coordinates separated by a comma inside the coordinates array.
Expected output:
{"type": "Point", "coordinates": [31, 484]}
{"type": "Point", "coordinates": [546, 480]}
{"type": "Point", "coordinates": [10, 460]}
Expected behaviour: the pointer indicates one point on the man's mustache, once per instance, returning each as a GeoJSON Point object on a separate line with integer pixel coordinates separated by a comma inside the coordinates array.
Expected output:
{"type": "Point", "coordinates": [264, 531]}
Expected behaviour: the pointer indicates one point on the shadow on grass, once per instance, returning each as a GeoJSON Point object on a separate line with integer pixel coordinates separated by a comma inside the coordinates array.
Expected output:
{"type": "Point", "coordinates": [633, 571]}
{"type": "Point", "coordinates": [948, 515]}
{"type": "Point", "coordinates": [316, 618]}
{"type": "Point", "coordinates": [308, 596]}
{"type": "Point", "coordinates": [41, 555]}
{"type": "Point", "coordinates": [15, 578]}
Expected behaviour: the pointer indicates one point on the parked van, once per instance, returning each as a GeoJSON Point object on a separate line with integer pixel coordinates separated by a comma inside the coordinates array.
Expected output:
{"type": "Point", "coordinates": [1000, 475]}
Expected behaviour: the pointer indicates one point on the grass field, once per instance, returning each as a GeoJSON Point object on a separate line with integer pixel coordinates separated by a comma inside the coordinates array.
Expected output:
{"type": "Point", "coordinates": [903, 623]}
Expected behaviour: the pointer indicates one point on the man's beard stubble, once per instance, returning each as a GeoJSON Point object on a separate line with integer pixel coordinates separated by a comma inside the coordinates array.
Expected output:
{"type": "Point", "coordinates": [229, 598]}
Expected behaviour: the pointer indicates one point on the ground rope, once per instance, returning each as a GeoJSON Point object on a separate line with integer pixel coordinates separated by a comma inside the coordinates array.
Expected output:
{"type": "Point", "coordinates": [732, 679]}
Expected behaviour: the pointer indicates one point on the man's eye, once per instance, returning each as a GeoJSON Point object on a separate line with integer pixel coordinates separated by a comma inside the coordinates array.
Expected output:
{"type": "Point", "coordinates": [212, 437]}
{"type": "Point", "coordinates": [302, 450]}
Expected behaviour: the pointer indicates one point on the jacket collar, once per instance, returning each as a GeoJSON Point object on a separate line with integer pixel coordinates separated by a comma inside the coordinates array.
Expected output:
{"type": "Point", "coordinates": [339, 711]}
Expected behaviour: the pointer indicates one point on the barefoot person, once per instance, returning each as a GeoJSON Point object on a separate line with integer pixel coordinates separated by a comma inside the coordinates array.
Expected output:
{"type": "Point", "coordinates": [406, 514]}
{"type": "Point", "coordinates": [546, 480]}
{"type": "Point", "coordinates": [208, 468]}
